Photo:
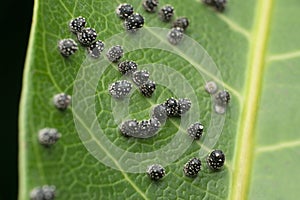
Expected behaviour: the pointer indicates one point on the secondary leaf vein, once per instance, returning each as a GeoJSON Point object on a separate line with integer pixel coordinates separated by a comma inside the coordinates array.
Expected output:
{"type": "Point", "coordinates": [278, 147]}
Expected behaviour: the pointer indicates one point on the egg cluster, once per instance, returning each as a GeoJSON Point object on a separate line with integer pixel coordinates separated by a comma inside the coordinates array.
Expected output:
{"type": "Point", "coordinates": [121, 89]}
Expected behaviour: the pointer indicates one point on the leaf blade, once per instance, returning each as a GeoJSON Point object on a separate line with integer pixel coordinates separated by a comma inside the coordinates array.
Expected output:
{"type": "Point", "coordinates": [51, 74]}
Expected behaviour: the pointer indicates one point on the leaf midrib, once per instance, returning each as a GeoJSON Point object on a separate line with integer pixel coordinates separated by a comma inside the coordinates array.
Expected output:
{"type": "Point", "coordinates": [246, 131]}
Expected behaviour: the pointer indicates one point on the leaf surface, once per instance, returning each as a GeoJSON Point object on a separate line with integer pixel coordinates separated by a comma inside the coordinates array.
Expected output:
{"type": "Point", "coordinates": [255, 47]}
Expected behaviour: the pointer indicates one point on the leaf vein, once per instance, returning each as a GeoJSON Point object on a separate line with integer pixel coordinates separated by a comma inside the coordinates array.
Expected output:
{"type": "Point", "coordinates": [278, 147]}
{"type": "Point", "coordinates": [284, 56]}
{"type": "Point", "coordinates": [113, 159]}
{"type": "Point", "coordinates": [65, 7]}
{"type": "Point", "coordinates": [190, 60]}
{"type": "Point", "coordinates": [236, 27]}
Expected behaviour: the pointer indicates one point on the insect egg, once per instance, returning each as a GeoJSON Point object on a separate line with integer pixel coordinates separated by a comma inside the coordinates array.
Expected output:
{"type": "Point", "coordinates": [211, 87]}
{"type": "Point", "coordinates": [148, 88]}
{"type": "Point", "coordinates": [49, 192]}
{"type": "Point", "coordinates": [192, 167]}
{"type": "Point", "coordinates": [144, 129]}
{"type": "Point", "coordinates": [87, 36]}
{"type": "Point", "coordinates": [124, 10]}
{"type": "Point", "coordinates": [67, 47]}
{"type": "Point", "coordinates": [134, 22]}
{"type": "Point", "coordinates": [219, 109]}
{"type": "Point", "coordinates": [196, 130]}
{"type": "Point", "coordinates": [129, 127]}
{"type": "Point", "coordinates": [76, 25]}
{"type": "Point", "coordinates": [43, 193]}
{"type": "Point", "coordinates": [175, 35]}
{"type": "Point", "coordinates": [222, 98]}
{"type": "Point", "coordinates": [140, 77]}
{"type": "Point", "coordinates": [62, 101]}
{"type": "Point", "coordinates": [159, 112]}
{"type": "Point", "coordinates": [115, 53]}
{"type": "Point", "coordinates": [166, 13]}
{"type": "Point", "coordinates": [216, 159]}
{"type": "Point", "coordinates": [154, 126]}
{"type": "Point", "coordinates": [48, 136]}
{"type": "Point", "coordinates": [172, 107]}
{"type": "Point", "coordinates": [156, 172]}
{"type": "Point", "coordinates": [120, 89]}
{"type": "Point", "coordinates": [127, 67]}
{"type": "Point", "coordinates": [150, 5]}
{"type": "Point", "coordinates": [181, 22]}
{"type": "Point", "coordinates": [184, 105]}
{"type": "Point", "coordinates": [37, 194]}
{"type": "Point", "coordinates": [95, 49]}
{"type": "Point", "coordinates": [220, 4]}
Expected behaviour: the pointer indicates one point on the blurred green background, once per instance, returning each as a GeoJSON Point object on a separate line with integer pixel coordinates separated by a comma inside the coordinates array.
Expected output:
{"type": "Point", "coordinates": [15, 29]}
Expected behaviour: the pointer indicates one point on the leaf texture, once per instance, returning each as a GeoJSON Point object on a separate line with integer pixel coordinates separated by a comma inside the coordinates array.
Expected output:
{"type": "Point", "coordinates": [255, 47]}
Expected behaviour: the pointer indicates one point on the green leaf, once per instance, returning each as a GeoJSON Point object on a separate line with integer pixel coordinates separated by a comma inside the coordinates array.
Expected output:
{"type": "Point", "coordinates": [255, 47]}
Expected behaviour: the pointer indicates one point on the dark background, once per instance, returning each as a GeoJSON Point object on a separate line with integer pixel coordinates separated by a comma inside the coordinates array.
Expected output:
{"type": "Point", "coordinates": [15, 28]}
